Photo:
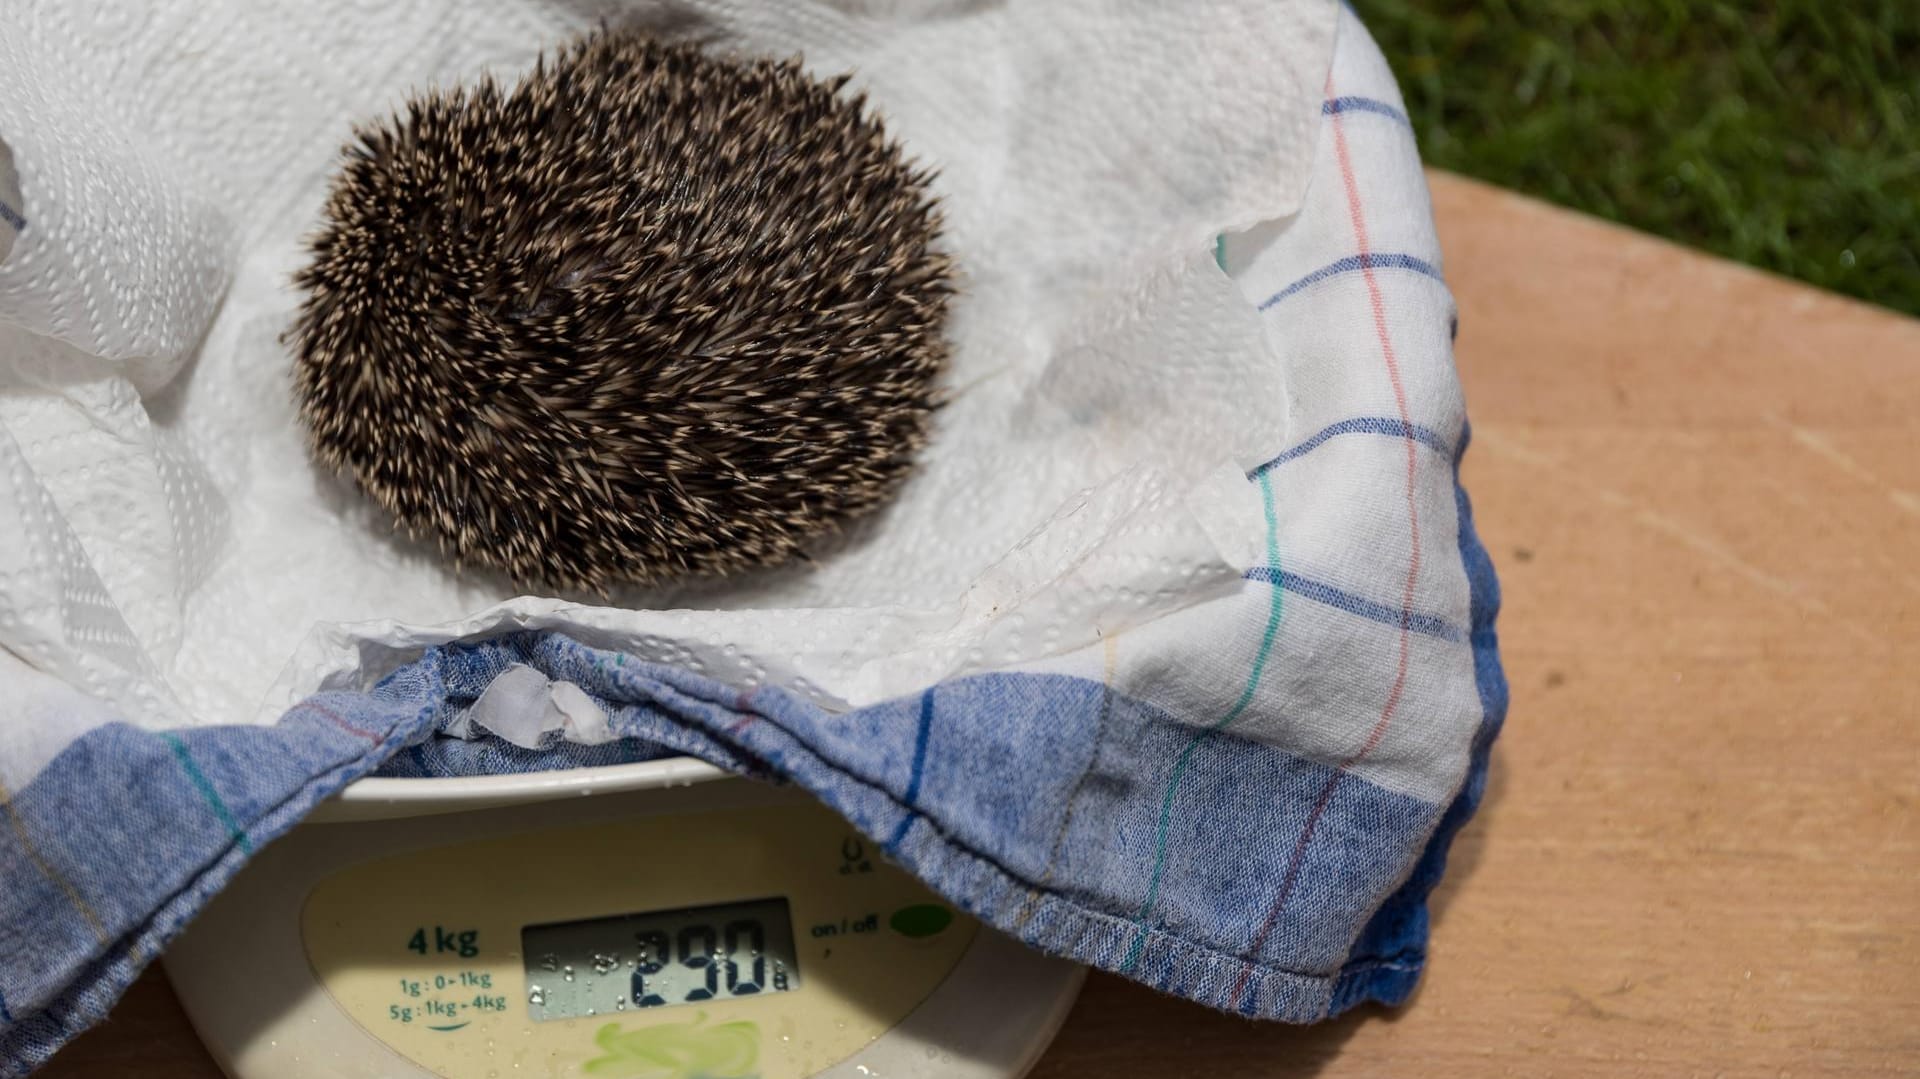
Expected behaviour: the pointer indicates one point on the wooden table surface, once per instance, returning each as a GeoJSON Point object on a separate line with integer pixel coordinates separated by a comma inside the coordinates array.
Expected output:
{"type": "Point", "coordinates": [1699, 854]}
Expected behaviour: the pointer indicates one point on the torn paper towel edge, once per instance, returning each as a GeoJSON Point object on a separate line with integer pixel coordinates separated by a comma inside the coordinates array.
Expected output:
{"type": "Point", "coordinates": [986, 632]}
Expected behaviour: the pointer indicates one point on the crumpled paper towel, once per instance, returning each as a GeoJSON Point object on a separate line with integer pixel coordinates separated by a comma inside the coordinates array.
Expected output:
{"type": "Point", "coordinates": [167, 548]}
{"type": "Point", "coordinates": [530, 710]}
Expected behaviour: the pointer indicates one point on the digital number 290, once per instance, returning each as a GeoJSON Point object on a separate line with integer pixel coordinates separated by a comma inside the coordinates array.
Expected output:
{"type": "Point", "coordinates": [695, 950]}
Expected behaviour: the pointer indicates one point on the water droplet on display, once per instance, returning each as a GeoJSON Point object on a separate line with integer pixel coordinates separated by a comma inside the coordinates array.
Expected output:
{"type": "Point", "coordinates": [549, 961]}
{"type": "Point", "coordinates": [620, 1005]}
{"type": "Point", "coordinates": [567, 972]}
{"type": "Point", "coordinates": [603, 962]}
{"type": "Point", "coordinates": [1847, 258]}
{"type": "Point", "coordinates": [590, 1011]}
{"type": "Point", "coordinates": [536, 995]}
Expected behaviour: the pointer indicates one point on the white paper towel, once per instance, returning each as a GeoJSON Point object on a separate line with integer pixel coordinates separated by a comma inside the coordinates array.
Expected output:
{"type": "Point", "coordinates": [171, 551]}
{"type": "Point", "coordinates": [524, 707]}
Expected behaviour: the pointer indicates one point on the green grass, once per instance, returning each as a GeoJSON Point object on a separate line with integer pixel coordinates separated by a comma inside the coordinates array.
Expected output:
{"type": "Point", "coordinates": [1785, 135]}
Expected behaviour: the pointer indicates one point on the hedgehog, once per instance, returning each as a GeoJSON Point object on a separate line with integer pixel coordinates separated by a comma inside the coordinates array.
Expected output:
{"type": "Point", "coordinates": [649, 313]}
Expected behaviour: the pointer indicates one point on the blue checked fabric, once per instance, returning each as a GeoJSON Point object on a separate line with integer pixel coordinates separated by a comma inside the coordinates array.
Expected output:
{"type": "Point", "coordinates": [1270, 857]}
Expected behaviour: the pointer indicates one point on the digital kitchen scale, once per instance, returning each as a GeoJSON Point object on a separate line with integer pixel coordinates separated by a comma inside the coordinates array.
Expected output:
{"type": "Point", "coordinates": [649, 921]}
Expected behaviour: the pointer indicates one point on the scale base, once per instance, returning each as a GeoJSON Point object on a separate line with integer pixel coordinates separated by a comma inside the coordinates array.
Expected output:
{"type": "Point", "coordinates": [245, 977]}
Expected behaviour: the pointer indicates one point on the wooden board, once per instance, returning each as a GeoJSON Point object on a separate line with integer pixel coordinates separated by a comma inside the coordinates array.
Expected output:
{"type": "Point", "coordinates": [1700, 853]}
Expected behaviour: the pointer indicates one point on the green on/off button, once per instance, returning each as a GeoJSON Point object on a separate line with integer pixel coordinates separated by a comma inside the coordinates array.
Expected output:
{"type": "Point", "coordinates": [921, 920]}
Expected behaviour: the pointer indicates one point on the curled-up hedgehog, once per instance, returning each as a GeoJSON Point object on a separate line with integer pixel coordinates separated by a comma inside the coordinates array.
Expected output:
{"type": "Point", "coordinates": [648, 313]}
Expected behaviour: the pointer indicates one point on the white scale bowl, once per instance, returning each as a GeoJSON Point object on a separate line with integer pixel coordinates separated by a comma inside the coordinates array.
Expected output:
{"type": "Point", "coordinates": [321, 957]}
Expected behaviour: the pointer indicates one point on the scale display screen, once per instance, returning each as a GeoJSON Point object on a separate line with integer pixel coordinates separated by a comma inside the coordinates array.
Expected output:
{"type": "Point", "coordinates": [659, 959]}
